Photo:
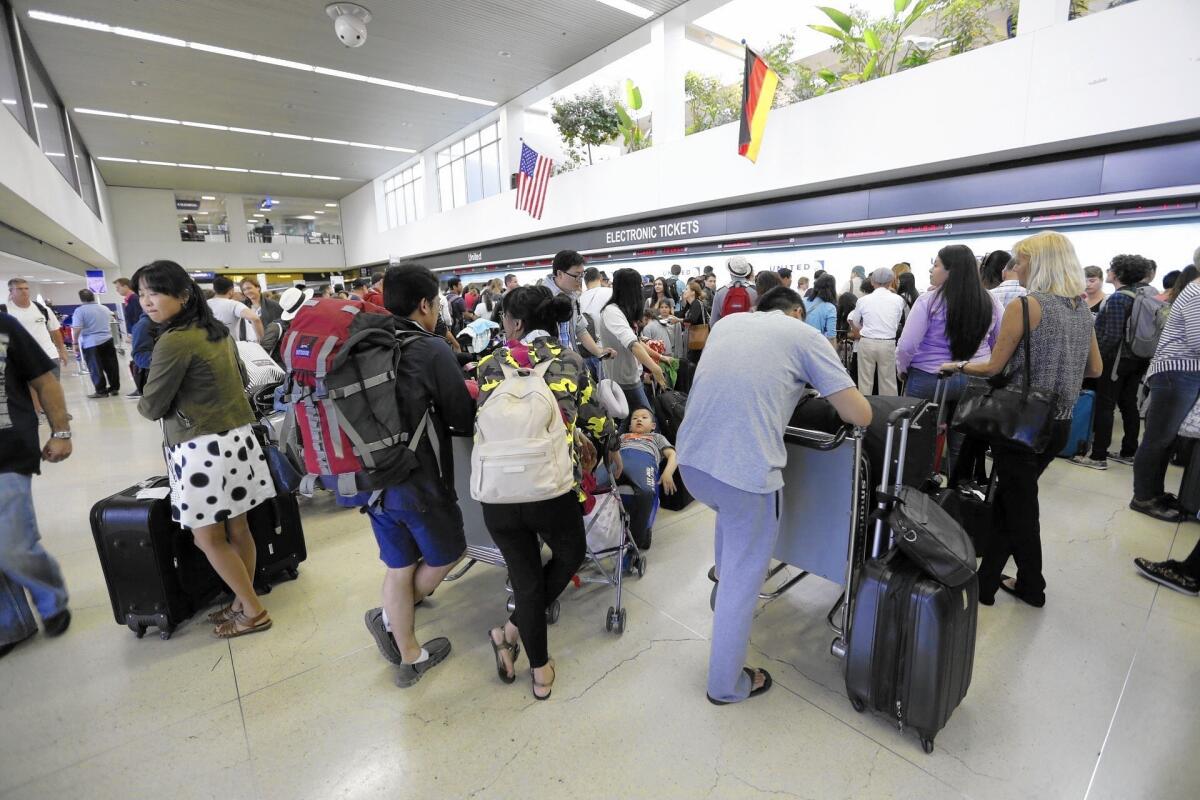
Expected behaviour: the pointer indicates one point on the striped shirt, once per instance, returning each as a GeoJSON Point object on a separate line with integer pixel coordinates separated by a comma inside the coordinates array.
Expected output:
{"type": "Point", "coordinates": [1179, 346]}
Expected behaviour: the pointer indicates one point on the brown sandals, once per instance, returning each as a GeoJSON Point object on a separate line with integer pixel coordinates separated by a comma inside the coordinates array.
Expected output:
{"type": "Point", "coordinates": [224, 614]}
{"type": "Point", "coordinates": [513, 651]}
{"type": "Point", "coordinates": [232, 628]}
{"type": "Point", "coordinates": [536, 686]}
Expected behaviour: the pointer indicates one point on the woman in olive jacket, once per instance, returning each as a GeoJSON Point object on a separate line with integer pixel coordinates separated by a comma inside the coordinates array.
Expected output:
{"type": "Point", "coordinates": [218, 471]}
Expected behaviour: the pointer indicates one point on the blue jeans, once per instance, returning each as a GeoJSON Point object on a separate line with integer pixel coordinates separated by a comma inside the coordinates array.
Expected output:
{"type": "Point", "coordinates": [640, 471]}
{"type": "Point", "coordinates": [24, 564]}
{"type": "Point", "coordinates": [923, 384]}
{"type": "Point", "coordinates": [1172, 395]}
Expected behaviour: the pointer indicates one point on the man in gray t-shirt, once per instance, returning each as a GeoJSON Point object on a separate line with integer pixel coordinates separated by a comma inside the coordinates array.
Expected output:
{"type": "Point", "coordinates": [731, 456]}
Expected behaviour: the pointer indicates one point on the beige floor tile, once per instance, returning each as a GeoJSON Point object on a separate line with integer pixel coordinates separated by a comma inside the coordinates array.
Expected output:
{"type": "Point", "coordinates": [200, 758]}
{"type": "Point", "coordinates": [1150, 751]}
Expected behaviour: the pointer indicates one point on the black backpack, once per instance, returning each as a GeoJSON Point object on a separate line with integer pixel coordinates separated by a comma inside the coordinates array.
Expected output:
{"type": "Point", "coordinates": [45, 311]}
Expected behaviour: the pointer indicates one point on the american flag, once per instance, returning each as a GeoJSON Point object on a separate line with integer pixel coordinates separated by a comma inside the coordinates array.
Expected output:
{"type": "Point", "coordinates": [532, 181]}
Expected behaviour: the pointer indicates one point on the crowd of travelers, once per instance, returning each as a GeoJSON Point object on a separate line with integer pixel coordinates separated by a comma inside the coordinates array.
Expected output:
{"type": "Point", "coordinates": [1033, 314]}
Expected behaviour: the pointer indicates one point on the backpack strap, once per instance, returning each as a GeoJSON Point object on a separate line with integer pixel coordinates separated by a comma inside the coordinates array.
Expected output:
{"type": "Point", "coordinates": [542, 367]}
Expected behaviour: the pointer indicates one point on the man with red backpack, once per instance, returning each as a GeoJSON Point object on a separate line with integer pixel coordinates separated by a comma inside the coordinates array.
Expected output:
{"type": "Point", "coordinates": [739, 295]}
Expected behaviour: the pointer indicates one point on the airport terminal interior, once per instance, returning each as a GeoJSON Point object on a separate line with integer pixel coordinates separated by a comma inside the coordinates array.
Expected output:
{"type": "Point", "coordinates": [302, 151]}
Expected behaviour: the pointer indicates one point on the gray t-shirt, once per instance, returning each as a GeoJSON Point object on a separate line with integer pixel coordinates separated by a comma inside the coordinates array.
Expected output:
{"type": "Point", "coordinates": [652, 444]}
{"type": "Point", "coordinates": [744, 391]}
{"type": "Point", "coordinates": [616, 332]}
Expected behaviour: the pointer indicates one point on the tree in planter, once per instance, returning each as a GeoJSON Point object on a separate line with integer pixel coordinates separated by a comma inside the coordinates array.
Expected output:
{"type": "Point", "coordinates": [710, 102]}
{"type": "Point", "coordinates": [629, 125]}
{"type": "Point", "coordinates": [586, 120]}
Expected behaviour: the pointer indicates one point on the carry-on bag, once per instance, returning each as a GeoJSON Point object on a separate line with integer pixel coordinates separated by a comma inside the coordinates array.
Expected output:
{"type": "Point", "coordinates": [278, 540]}
{"type": "Point", "coordinates": [972, 505]}
{"type": "Point", "coordinates": [155, 574]}
{"type": "Point", "coordinates": [911, 644]}
{"type": "Point", "coordinates": [668, 408]}
{"type": "Point", "coordinates": [1189, 487]}
{"type": "Point", "coordinates": [1081, 425]}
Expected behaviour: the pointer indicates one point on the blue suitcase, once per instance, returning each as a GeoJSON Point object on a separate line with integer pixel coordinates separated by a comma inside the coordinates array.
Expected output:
{"type": "Point", "coordinates": [1081, 425]}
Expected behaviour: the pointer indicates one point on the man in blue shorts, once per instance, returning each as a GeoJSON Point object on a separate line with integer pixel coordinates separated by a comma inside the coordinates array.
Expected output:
{"type": "Point", "coordinates": [418, 523]}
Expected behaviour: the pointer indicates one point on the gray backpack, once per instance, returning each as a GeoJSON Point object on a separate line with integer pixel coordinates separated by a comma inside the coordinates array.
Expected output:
{"type": "Point", "coordinates": [1146, 321]}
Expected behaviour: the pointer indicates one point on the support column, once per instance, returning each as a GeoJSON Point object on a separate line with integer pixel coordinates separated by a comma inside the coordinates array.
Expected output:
{"type": "Point", "coordinates": [235, 218]}
{"type": "Point", "coordinates": [665, 96]}
{"type": "Point", "coordinates": [1038, 14]}
{"type": "Point", "coordinates": [433, 200]}
{"type": "Point", "coordinates": [512, 130]}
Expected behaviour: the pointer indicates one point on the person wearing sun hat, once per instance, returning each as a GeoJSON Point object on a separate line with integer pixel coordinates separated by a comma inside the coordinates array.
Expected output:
{"type": "Point", "coordinates": [291, 301]}
{"type": "Point", "coordinates": [740, 274]}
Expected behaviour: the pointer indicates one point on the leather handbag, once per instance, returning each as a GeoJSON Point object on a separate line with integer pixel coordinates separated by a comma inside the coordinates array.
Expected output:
{"type": "Point", "coordinates": [1017, 418]}
{"type": "Point", "coordinates": [931, 538]}
{"type": "Point", "coordinates": [698, 331]}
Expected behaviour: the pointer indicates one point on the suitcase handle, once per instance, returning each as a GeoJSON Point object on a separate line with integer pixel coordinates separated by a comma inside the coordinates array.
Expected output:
{"type": "Point", "coordinates": [903, 416]}
{"type": "Point", "coordinates": [816, 440]}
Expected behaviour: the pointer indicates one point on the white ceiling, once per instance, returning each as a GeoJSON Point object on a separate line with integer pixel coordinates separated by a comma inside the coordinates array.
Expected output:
{"type": "Point", "coordinates": [451, 45]}
{"type": "Point", "coordinates": [12, 266]}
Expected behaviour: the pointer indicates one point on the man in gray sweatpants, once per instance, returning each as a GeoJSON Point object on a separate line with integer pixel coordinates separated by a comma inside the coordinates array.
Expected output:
{"type": "Point", "coordinates": [731, 456]}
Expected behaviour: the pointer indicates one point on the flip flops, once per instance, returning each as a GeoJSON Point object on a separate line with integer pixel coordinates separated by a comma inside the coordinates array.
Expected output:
{"type": "Point", "coordinates": [753, 692]}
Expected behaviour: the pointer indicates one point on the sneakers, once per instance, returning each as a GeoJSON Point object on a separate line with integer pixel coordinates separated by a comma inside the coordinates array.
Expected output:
{"type": "Point", "coordinates": [1153, 508]}
{"type": "Point", "coordinates": [1168, 574]}
{"type": "Point", "coordinates": [383, 637]}
{"type": "Point", "coordinates": [1090, 463]}
{"type": "Point", "coordinates": [437, 649]}
{"type": "Point", "coordinates": [1120, 459]}
{"type": "Point", "coordinates": [135, 394]}
{"type": "Point", "coordinates": [58, 624]}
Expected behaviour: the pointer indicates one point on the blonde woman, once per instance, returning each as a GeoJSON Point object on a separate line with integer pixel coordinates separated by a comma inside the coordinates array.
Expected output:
{"type": "Point", "coordinates": [1063, 351]}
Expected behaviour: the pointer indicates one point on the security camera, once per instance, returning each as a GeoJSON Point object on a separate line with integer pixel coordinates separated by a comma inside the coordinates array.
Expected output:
{"type": "Point", "coordinates": [349, 23]}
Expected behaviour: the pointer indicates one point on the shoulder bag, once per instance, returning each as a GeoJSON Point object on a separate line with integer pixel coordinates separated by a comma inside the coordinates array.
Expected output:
{"type": "Point", "coordinates": [1018, 418]}
{"type": "Point", "coordinates": [1191, 423]}
{"type": "Point", "coordinates": [698, 331]}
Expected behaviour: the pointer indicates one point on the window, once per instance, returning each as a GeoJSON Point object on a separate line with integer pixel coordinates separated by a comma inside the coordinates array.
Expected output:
{"type": "Point", "coordinates": [83, 168]}
{"type": "Point", "coordinates": [469, 170]}
{"type": "Point", "coordinates": [10, 82]}
{"type": "Point", "coordinates": [48, 111]}
{"type": "Point", "coordinates": [404, 195]}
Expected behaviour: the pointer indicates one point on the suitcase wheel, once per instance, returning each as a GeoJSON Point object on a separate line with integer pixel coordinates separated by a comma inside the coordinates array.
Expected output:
{"type": "Point", "coordinates": [293, 573]}
{"type": "Point", "coordinates": [164, 635]}
{"type": "Point", "coordinates": [858, 705]}
{"type": "Point", "coordinates": [139, 631]}
{"type": "Point", "coordinates": [927, 745]}
{"type": "Point", "coordinates": [552, 612]}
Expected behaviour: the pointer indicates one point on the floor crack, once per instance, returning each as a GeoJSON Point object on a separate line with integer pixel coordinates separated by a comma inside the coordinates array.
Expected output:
{"type": "Point", "coordinates": [625, 661]}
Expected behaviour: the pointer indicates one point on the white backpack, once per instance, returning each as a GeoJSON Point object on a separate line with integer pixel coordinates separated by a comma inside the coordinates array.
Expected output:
{"type": "Point", "coordinates": [522, 453]}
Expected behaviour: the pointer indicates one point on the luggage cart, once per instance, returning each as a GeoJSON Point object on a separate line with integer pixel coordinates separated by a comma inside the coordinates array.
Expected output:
{"type": "Point", "coordinates": [826, 478]}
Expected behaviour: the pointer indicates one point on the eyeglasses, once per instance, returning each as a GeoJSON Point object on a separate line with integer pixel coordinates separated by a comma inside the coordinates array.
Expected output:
{"type": "Point", "coordinates": [574, 275]}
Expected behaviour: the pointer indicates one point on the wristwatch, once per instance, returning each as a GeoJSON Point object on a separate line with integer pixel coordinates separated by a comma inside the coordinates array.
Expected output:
{"type": "Point", "coordinates": [61, 435]}
{"type": "Point", "coordinates": [962, 365]}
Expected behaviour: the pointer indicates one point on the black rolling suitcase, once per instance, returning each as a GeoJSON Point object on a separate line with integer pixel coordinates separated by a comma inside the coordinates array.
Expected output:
{"type": "Point", "coordinates": [668, 408]}
{"type": "Point", "coordinates": [910, 649]}
{"type": "Point", "coordinates": [155, 574]}
{"type": "Point", "coordinates": [278, 539]}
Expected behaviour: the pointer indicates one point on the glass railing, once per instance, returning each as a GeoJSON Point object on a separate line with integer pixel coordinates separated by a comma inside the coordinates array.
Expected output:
{"type": "Point", "coordinates": [294, 238]}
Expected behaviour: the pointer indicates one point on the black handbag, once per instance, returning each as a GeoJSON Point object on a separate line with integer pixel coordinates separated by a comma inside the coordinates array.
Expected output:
{"type": "Point", "coordinates": [1007, 416]}
{"type": "Point", "coordinates": [930, 537]}
{"type": "Point", "coordinates": [284, 473]}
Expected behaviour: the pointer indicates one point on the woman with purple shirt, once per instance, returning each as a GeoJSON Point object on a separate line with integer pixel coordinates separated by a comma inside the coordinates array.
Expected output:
{"type": "Point", "coordinates": [957, 321]}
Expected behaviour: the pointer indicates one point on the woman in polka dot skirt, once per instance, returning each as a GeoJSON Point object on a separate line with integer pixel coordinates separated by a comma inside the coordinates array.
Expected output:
{"type": "Point", "coordinates": [218, 471]}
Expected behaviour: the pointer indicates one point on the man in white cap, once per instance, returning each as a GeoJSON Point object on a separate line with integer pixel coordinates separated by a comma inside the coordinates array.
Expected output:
{"type": "Point", "coordinates": [739, 295]}
{"type": "Point", "coordinates": [876, 320]}
{"type": "Point", "coordinates": [291, 301]}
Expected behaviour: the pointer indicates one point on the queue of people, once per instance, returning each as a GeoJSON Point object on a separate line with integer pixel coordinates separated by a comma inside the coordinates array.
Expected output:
{"type": "Point", "coordinates": [1027, 315]}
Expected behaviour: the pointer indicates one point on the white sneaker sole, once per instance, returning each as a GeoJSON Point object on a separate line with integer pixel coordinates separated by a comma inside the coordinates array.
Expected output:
{"type": "Point", "coordinates": [1161, 582]}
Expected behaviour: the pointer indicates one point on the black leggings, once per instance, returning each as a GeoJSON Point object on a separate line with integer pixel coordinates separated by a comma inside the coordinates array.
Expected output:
{"type": "Point", "coordinates": [515, 529]}
{"type": "Point", "coordinates": [1017, 530]}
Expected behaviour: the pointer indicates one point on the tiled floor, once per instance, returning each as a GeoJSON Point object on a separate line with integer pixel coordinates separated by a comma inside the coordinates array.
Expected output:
{"type": "Point", "coordinates": [1092, 697]}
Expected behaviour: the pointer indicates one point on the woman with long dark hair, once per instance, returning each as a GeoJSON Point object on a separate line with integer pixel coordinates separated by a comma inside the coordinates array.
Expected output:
{"type": "Point", "coordinates": [695, 312]}
{"type": "Point", "coordinates": [661, 293]}
{"type": "Point", "coordinates": [617, 326]}
{"type": "Point", "coordinates": [957, 321]}
{"type": "Point", "coordinates": [991, 269]}
{"type": "Point", "coordinates": [906, 287]}
{"type": "Point", "coordinates": [529, 315]}
{"type": "Point", "coordinates": [822, 310]}
{"type": "Point", "coordinates": [217, 470]}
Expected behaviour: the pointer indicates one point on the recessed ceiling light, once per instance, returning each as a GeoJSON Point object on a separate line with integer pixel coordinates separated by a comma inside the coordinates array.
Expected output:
{"type": "Point", "coordinates": [203, 213]}
{"type": "Point", "coordinates": [207, 197]}
{"type": "Point", "coordinates": [76, 22]}
{"type": "Point", "coordinates": [306, 216]}
{"type": "Point", "coordinates": [318, 212]}
{"type": "Point", "coordinates": [140, 84]}
{"type": "Point", "coordinates": [234, 129]}
{"type": "Point", "coordinates": [122, 160]}
{"type": "Point", "coordinates": [628, 8]}
{"type": "Point", "coordinates": [8, 101]}
{"type": "Point", "coordinates": [57, 155]}
{"type": "Point", "coordinates": [150, 163]}
{"type": "Point", "coordinates": [331, 205]}
{"type": "Point", "coordinates": [258, 215]}
{"type": "Point", "coordinates": [40, 105]}
{"type": "Point", "coordinates": [60, 283]}
{"type": "Point", "coordinates": [504, 54]}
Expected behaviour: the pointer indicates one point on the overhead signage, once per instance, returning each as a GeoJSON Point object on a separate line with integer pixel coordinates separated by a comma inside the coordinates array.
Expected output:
{"type": "Point", "coordinates": [95, 280]}
{"type": "Point", "coordinates": [187, 205]}
{"type": "Point", "coordinates": [270, 255]}
{"type": "Point", "coordinates": [475, 256]}
{"type": "Point", "coordinates": [654, 232]}
{"type": "Point", "coordinates": [201, 276]}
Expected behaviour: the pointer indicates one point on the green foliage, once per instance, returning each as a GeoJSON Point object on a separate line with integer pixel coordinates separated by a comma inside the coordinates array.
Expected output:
{"type": "Point", "coordinates": [586, 120]}
{"type": "Point", "coordinates": [629, 125]}
{"type": "Point", "coordinates": [710, 102]}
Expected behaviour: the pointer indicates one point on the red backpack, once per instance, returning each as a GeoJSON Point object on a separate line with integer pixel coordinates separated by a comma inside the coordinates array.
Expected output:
{"type": "Point", "coordinates": [341, 357]}
{"type": "Point", "coordinates": [737, 300]}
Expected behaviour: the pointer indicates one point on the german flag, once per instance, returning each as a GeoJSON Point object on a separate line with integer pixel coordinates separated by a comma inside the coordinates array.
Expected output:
{"type": "Point", "coordinates": [758, 92]}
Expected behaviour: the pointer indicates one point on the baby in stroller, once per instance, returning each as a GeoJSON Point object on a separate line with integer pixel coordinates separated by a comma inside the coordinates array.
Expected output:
{"type": "Point", "coordinates": [642, 452]}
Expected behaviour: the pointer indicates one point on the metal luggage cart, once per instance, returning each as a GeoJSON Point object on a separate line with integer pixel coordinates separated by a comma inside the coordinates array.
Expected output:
{"type": "Point", "coordinates": [826, 478]}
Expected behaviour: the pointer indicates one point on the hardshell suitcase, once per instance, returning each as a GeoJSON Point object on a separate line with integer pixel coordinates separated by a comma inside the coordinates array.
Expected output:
{"type": "Point", "coordinates": [911, 646]}
{"type": "Point", "coordinates": [155, 574]}
{"type": "Point", "coordinates": [668, 411]}
{"type": "Point", "coordinates": [278, 540]}
{"type": "Point", "coordinates": [1189, 487]}
{"type": "Point", "coordinates": [1081, 425]}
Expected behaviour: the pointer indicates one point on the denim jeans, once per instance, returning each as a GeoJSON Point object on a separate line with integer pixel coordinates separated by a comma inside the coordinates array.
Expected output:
{"type": "Point", "coordinates": [1118, 394]}
{"type": "Point", "coordinates": [1172, 395]}
{"type": "Point", "coordinates": [24, 563]}
{"type": "Point", "coordinates": [959, 449]}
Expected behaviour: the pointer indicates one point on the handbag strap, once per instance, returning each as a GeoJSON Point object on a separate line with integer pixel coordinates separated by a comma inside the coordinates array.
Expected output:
{"type": "Point", "coordinates": [1025, 343]}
